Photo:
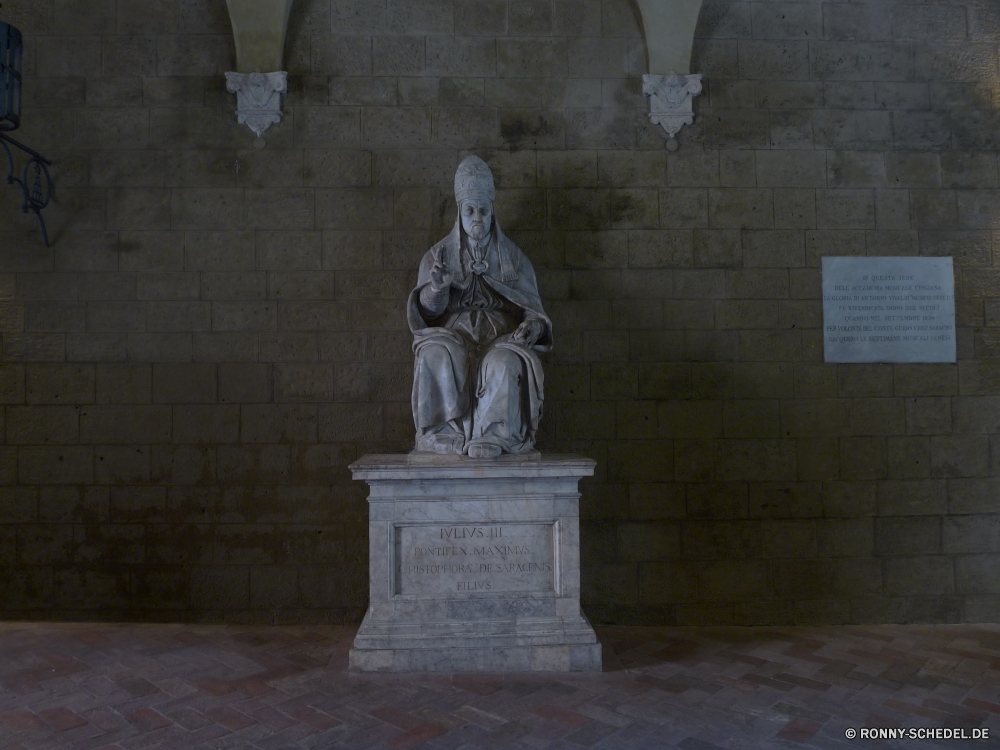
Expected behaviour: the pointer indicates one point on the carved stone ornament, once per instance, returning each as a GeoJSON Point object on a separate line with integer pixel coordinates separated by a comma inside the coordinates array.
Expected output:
{"type": "Point", "coordinates": [258, 98]}
{"type": "Point", "coordinates": [670, 99]}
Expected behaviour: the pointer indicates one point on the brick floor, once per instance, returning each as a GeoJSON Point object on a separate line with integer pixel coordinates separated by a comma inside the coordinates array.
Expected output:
{"type": "Point", "coordinates": [177, 687]}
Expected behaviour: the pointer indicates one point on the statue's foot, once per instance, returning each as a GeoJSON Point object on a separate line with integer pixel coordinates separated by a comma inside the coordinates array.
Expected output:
{"type": "Point", "coordinates": [484, 450]}
{"type": "Point", "coordinates": [443, 443]}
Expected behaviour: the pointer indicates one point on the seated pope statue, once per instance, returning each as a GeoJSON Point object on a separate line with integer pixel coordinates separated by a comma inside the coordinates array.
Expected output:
{"type": "Point", "coordinates": [478, 325]}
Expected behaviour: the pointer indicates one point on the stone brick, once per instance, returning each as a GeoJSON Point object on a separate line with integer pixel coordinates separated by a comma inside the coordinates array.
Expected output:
{"type": "Point", "coordinates": [34, 347]}
{"type": "Point", "coordinates": [803, 578]}
{"type": "Point", "coordinates": [123, 464]}
{"type": "Point", "coordinates": [771, 346]}
{"type": "Point", "coordinates": [959, 456]}
{"type": "Point", "coordinates": [660, 249]}
{"type": "Point", "coordinates": [791, 169]}
{"type": "Point", "coordinates": [953, 62]}
{"type": "Point", "coordinates": [741, 208]}
{"type": "Point", "coordinates": [244, 316]}
{"type": "Point", "coordinates": [59, 384]}
{"type": "Point", "coordinates": [205, 424]}
{"type": "Point", "coordinates": [717, 500]}
{"type": "Point", "coordinates": [976, 415]}
{"type": "Point", "coordinates": [926, 576]}
{"type": "Point", "coordinates": [128, 55]}
{"type": "Point", "coordinates": [179, 316]}
{"type": "Point", "coordinates": [167, 286]}
{"type": "Point", "coordinates": [862, 458]}
{"type": "Point", "coordinates": [207, 209]}
{"type": "Point", "coordinates": [266, 464]}
{"type": "Point", "coordinates": [858, 577]}
{"type": "Point", "coordinates": [644, 461]}
{"type": "Point", "coordinates": [902, 95]}
{"type": "Point", "coordinates": [635, 420]}
{"type": "Point", "coordinates": [341, 56]}
{"type": "Point", "coordinates": [853, 129]}
{"type": "Point", "coordinates": [280, 209]}
{"type": "Point", "coordinates": [763, 380]}
{"type": "Point", "coordinates": [219, 588]}
{"type": "Point", "coordinates": [391, 127]}
{"type": "Point", "coordinates": [756, 460]}
{"type": "Point", "coordinates": [972, 495]}
{"type": "Point", "coordinates": [786, 60]}
{"type": "Point", "coordinates": [96, 348]}
{"type": "Point", "coordinates": [191, 55]}
{"type": "Point", "coordinates": [744, 314]}
{"type": "Point", "coordinates": [920, 130]}
{"type": "Point", "coordinates": [733, 580]}
{"type": "Point", "coordinates": [476, 127]}
{"type": "Point", "coordinates": [139, 208]}
{"type": "Point", "coordinates": [184, 383]}
{"type": "Point", "coordinates": [717, 248]}
{"type": "Point", "coordinates": [845, 209]}
{"type": "Point", "coordinates": [751, 419]}
{"type": "Point", "coordinates": [970, 534]}
{"type": "Point", "coordinates": [527, 58]}
{"type": "Point", "coordinates": [908, 457]}
{"type": "Point", "coordinates": [757, 283]}
{"type": "Point", "coordinates": [117, 425]}
{"type": "Point", "coordinates": [621, 168]}
{"type": "Point", "coordinates": [151, 251]}
{"type": "Point", "coordinates": [683, 208]}
{"type": "Point", "coordinates": [44, 465]}
{"type": "Point", "coordinates": [42, 425]}
{"type": "Point", "coordinates": [328, 127]}
{"type": "Point", "coordinates": [850, 537]}
{"type": "Point", "coordinates": [356, 209]}
{"type": "Point", "coordinates": [587, 250]}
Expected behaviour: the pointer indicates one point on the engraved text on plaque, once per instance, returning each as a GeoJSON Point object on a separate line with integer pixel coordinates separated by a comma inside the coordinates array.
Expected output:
{"type": "Point", "coordinates": [465, 559]}
{"type": "Point", "coordinates": [891, 309]}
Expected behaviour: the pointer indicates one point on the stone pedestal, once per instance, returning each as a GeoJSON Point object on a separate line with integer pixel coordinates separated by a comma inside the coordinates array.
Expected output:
{"type": "Point", "coordinates": [475, 565]}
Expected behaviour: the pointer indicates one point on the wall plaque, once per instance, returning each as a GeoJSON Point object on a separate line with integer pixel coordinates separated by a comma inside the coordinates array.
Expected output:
{"type": "Point", "coordinates": [449, 560]}
{"type": "Point", "coordinates": [891, 309]}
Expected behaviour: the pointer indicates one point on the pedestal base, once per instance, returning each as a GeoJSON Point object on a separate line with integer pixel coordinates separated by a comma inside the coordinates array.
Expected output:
{"type": "Point", "coordinates": [474, 565]}
{"type": "Point", "coordinates": [558, 650]}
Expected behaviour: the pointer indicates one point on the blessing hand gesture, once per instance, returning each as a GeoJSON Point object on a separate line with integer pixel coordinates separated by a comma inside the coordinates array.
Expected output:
{"type": "Point", "coordinates": [441, 277]}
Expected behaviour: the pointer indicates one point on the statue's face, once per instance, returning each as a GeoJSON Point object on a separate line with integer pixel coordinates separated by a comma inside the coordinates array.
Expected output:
{"type": "Point", "coordinates": [477, 218]}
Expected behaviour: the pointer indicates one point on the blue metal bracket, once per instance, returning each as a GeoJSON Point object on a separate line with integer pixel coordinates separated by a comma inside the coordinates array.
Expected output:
{"type": "Point", "coordinates": [35, 181]}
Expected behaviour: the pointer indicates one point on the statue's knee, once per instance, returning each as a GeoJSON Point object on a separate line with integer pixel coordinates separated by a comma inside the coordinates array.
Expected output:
{"type": "Point", "coordinates": [434, 356]}
{"type": "Point", "coordinates": [503, 359]}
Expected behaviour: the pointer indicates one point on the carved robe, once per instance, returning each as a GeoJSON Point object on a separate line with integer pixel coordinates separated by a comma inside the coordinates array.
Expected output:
{"type": "Point", "coordinates": [470, 382]}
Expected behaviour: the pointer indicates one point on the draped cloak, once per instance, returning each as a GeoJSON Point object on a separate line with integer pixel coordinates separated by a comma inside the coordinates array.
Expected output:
{"type": "Point", "coordinates": [510, 275]}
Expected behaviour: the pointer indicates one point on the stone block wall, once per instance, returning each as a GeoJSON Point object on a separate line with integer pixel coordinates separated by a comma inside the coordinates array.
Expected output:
{"type": "Point", "coordinates": [217, 331]}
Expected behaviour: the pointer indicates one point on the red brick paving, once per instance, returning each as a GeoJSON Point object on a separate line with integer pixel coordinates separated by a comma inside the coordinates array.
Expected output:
{"type": "Point", "coordinates": [230, 718]}
{"type": "Point", "coordinates": [985, 705]}
{"type": "Point", "coordinates": [415, 737]}
{"type": "Point", "coordinates": [175, 687]}
{"type": "Point", "coordinates": [61, 719]}
{"type": "Point", "coordinates": [20, 720]}
{"type": "Point", "coordinates": [800, 730]}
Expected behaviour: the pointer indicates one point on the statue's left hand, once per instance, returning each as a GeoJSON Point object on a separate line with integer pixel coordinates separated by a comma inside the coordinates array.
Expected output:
{"type": "Point", "coordinates": [528, 332]}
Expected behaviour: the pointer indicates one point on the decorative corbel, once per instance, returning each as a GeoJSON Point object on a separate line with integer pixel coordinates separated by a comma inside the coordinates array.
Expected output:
{"type": "Point", "coordinates": [669, 29]}
{"type": "Point", "coordinates": [259, 28]}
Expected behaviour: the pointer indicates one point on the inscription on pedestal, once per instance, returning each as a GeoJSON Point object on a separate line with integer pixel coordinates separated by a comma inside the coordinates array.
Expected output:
{"type": "Point", "coordinates": [891, 309]}
{"type": "Point", "coordinates": [446, 560]}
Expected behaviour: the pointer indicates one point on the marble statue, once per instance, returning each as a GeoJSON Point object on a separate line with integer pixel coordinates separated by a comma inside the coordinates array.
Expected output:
{"type": "Point", "coordinates": [478, 326]}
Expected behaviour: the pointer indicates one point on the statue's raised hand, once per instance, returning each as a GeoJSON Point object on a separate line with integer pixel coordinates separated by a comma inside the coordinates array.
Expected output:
{"type": "Point", "coordinates": [528, 332]}
{"type": "Point", "coordinates": [441, 277]}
